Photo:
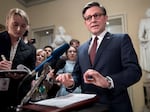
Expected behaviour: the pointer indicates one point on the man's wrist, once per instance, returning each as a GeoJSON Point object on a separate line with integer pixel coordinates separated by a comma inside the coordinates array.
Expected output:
{"type": "Point", "coordinates": [110, 81]}
{"type": "Point", "coordinates": [71, 87]}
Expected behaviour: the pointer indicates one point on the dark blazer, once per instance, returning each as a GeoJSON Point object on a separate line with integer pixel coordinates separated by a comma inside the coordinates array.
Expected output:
{"type": "Point", "coordinates": [116, 58]}
{"type": "Point", "coordinates": [25, 55]}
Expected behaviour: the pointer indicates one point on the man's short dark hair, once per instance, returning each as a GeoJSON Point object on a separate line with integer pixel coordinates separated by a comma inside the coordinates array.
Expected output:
{"type": "Point", "coordinates": [48, 46]}
{"type": "Point", "coordinates": [74, 40]}
{"type": "Point", "coordinates": [92, 4]}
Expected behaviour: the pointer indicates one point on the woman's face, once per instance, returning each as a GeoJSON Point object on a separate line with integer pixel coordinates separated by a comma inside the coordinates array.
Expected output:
{"type": "Point", "coordinates": [40, 57]}
{"type": "Point", "coordinates": [71, 54]}
{"type": "Point", "coordinates": [16, 26]}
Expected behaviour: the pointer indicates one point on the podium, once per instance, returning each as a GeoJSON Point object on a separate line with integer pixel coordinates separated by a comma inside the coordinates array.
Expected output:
{"type": "Point", "coordinates": [78, 106]}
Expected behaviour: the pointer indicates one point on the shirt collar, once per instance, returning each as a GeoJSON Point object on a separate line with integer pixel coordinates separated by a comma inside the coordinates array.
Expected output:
{"type": "Point", "coordinates": [101, 36]}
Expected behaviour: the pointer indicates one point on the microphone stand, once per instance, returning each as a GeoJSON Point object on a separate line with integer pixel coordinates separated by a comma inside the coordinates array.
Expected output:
{"type": "Point", "coordinates": [33, 88]}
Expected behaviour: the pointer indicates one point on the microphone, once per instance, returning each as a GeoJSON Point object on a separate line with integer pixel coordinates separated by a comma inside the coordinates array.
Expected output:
{"type": "Point", "coordinates": [55, 55]}
{"type": "Point", "coordinates": [59, 65]}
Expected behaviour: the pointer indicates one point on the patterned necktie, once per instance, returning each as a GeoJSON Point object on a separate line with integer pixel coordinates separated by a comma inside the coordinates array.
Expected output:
{"type": "Point", "coordinates": [93, 50]}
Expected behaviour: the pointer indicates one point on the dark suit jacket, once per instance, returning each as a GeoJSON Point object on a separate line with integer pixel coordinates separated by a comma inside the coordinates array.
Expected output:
{"type": "Point", "coordinates": [116, 58]}
{"type": "Point", "coordinates": [25, 55]}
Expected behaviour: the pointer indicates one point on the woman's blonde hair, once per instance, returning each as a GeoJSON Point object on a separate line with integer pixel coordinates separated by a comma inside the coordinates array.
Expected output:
{"type": "Point", "coordinates": [17, 11]}
{"type": "Point", "coordinates": [41, 50]}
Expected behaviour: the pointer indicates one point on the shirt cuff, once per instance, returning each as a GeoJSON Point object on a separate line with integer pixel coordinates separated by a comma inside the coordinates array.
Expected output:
{"type": "Point", "coordinates": [109, 79]}
{"type": "Point", "coordinates": [71, 87]}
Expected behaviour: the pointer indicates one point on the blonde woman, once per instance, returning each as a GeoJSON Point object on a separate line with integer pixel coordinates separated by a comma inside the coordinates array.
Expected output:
{"type": "Point", "coordinates": [16, 52]}
{"type": "Point", "coordinates": [40, 93]}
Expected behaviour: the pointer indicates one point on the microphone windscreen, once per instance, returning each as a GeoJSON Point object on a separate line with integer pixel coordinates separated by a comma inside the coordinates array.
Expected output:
{"type": "Point", "coordinates": [55, 55]}
{"type": "Point", "coordinates": [59, 65]}
{"type": "Point", "coordinates": [59, 51]}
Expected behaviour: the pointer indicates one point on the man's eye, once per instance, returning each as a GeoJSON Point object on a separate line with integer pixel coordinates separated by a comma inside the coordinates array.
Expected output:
{"type": "Point", "coordinates": [95, 15]}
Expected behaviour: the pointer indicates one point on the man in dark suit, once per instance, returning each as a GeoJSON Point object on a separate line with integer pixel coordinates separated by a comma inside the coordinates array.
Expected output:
{"type": "Point", "coordinates": [115, 66]}
{"type": "Point", "coordinates": [16, 52]}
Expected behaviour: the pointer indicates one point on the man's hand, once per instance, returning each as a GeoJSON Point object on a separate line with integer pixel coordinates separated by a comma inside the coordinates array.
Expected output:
{"type": "Point", "coordinates": [66, 79]}
{"type": "Point", "coordinates": [93, 77]}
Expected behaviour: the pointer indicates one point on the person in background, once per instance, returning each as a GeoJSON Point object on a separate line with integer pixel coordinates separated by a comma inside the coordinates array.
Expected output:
{"type": "Point", "coordinates": [75, 43]}
{"type": "Point", "coordinates": [16, 52]}
{"type": "Point", "coordinates": [41, 55]}
{"type": "Point", "coordinates": [41, 91]}
{"type": "Point", "coordinates": [48, 49]}
{"type": "Point", "coordinates": [55, 64]}
{"type": "Point", "coordinates": [114, 68]}
{"type": "Point", "coordinates": [71, 55]}
{"type": "Point", "coordinates": [26, 40]}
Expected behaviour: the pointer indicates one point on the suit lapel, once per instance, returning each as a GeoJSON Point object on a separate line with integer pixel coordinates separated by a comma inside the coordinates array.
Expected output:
{"type": "Point", "coordinates": [102, 46]}
{"type": "Point", "coordinates": [84, 54]}
{"type": "Point", "coordinates": [86, 51]}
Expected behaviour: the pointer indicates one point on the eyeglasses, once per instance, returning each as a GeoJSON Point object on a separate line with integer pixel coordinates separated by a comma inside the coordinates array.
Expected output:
{"type": "Point", "coordinates": [96, 17]}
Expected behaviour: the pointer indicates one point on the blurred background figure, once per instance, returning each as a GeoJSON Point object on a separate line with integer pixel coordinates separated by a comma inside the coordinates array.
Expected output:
{"type": "Point", "coordinates": [41, 92]}
{"type": "Point", "coordinates": [26, 40]}
{"type": "Point", "coordinates": [48, 49]}
{"type": "Point", "coordinates": [48, 87]}
{"type": "Point", "coordinates": [75, 43]}
{"type": "Point", "coordinates": [71, 55]}
{"type": "Point", "coordinates": [41, 55]}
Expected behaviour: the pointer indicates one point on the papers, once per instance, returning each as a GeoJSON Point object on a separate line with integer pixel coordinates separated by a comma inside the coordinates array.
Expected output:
{"type": "Point", "coordinates": [67, 100]}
